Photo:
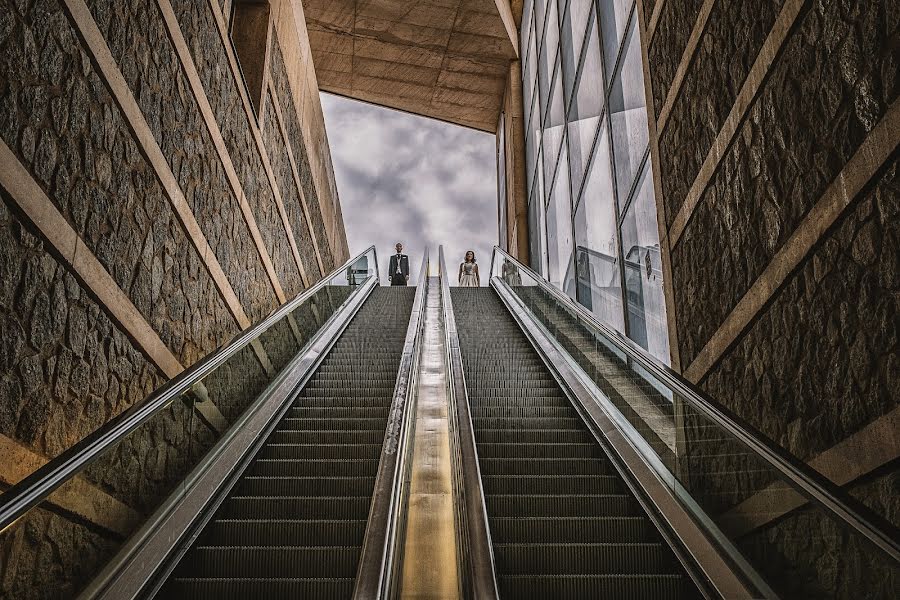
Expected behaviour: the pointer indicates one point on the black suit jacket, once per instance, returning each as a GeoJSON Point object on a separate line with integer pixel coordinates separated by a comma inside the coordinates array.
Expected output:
{"type": "Point", "coordinates": [404, 266]}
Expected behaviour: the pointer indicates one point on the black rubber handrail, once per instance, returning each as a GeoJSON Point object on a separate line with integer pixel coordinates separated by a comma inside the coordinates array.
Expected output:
{"type": "Point", "coordinates": [37, 487]}
{"type": "Point", "coordinates": [809, 482]}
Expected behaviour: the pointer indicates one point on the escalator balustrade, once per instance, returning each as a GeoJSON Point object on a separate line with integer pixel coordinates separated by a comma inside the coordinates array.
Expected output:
{"type": "Point", "coordinates": [562, 522]}
{"type": "Point", "coordinates": [293, 525]}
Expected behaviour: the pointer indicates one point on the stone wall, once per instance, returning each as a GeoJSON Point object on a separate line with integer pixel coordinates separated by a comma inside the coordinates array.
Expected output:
{"type": "Point", "coordinates": [819, 361]}
{"type": "Point", "coordinates": [68, 362]}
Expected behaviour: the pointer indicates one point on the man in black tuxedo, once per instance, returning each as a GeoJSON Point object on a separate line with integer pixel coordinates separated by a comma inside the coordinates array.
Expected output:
{"type": "Point", "coordinates": [399, 267]}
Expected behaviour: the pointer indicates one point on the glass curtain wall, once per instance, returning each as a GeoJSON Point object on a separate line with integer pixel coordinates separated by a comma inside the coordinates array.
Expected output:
{"type": "Point", "coordinates": [591, 205]}
{"type": "Point", "coordinates": [501, 180]}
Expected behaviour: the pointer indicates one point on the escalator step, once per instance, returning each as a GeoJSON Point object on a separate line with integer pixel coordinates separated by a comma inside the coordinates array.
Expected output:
{"type": "Point", "coordinates": [513, 412]}
{"type": "Point", "coordinates": [305, 486]}
{"type": "Point", "coordinates": [311, 451]}
{"type": "Point", "coordinates": [620, 587]}
{"type": "Point", "coordinates": [536, 449]}
{"type": "Point", "coordinates": [550, 484]}
{"type": "Point", "coordinates": [326, 466]}
{"type": "Point", "coordinates": [548, 505]}
{"type": "Point", "coordinates": [271, 561]}
{"type": "Point", "coordinates": [295, 507]}
{"type": "Point", "coordinates": [335, 412]}
{"type": "Point", "coordinates": [570, 423]}
{"type": "Point", "coordinates": [285, 532]}
{"type": "Point", "coordinates": [372, 436]}
{"type": "Point", "coordinates": [524, 435]}
{"type": "Point", "coordinates": [572, 529]}
{"type": "Point", "coordinates": [340, 424]}
{"type": "Point", "coordinates": [570, 559]}
{"type": "Point", "coordinates": [270, 588]}
{"type": "Point", "coordinates": [543, 466]}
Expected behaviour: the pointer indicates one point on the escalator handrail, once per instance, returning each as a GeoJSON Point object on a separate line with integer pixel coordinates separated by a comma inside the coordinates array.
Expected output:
{"type": "Point", "coordinates": [37, 487]}
{"type": "Point", "coordinates": [381, 554]}
{"type": "Point", "coordinates": [809, 482]}
{"type": "Point", "coordinates": [477, 560]}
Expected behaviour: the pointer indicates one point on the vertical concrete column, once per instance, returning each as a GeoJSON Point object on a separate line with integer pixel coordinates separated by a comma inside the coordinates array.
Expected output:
{"type": "Point", "coordinates": [429, 555]}
{"type": "Point", "coordinates": [516, 195]}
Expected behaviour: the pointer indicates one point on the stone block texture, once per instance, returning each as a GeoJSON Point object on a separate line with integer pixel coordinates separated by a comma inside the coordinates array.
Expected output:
{"type": "Point", "coordinates": [209, 55]}
{"type": "Point", "coordinates": [66, 365]}
{"type": "Point", "coordinates": [820, 360]}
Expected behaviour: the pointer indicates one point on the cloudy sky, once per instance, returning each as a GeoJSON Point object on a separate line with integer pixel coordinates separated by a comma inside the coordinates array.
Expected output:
{"type": "Point", "coordinates": [411, 179]}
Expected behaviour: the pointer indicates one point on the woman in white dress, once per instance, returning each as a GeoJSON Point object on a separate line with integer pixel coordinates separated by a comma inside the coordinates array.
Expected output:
{"type": "Point", "coordinates": [468, 272]}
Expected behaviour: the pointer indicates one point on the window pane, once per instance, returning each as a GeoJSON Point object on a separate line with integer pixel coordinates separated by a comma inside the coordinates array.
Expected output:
{"type": "Point", "coordinates": [596, 249]}
{"type": "Point", "coordinates": [554, 128]}
{"type": "Point", "coordinates": [529, 69]}
{"type": "Point", "coordinates": [532, 144]}
{"type": "Point", "coordinates": [540, 13]}
{"type": "Point", "coordinates": [545, 79]}
{"type": "Point", "coordinates": [628, 116]}
{"type": "Point", "coordinates": [559, 231]}
{"type": "Point", "coordinates": [501, 180]}
{"type": "Point", "coordinates": [571, 40]}
{"type": "Point", "coordinates": [643, 271]}
{"type": "Point", "coordinates": [537, 229]}
{"type": "Point", "coordinates": [613, 19]}
{"type": "Point", "coordinates": [586, 106]}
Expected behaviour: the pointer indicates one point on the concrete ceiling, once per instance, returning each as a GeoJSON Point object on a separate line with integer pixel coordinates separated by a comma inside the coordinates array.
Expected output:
{"type": "Point", "coordinates": [446, 59]}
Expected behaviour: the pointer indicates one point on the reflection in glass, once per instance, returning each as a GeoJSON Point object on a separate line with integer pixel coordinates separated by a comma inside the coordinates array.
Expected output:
{"type": "Point", "coordinates": [613, 19]}
{"type": "Point", "coordinates": [599, 286]}
{"type": "Point", "coordinates": [532, 145]}
{"type": "Point", "coordinates": [586, 137]}
{"type": "Point", "coordinates": [571, 40]}
{"type": "Point", "coordinates": [643, 271]}
{"type": "Point", "coordinates": [554, 127]}
{"type": "Point", "coordinates": [529, 67]}
{"type": "Point", "coordinates": [537, 229]}
{"type": "Point", "coordinates": [540, 14]}
{"type": "Point", "coordinates": [759, 519]}
{"type": "Point", "coordinates": [128, 481]}
{"type": "Point", "coordinates": [501, 179]}
{"type": "Point", "coordinates": [559, 230]}
{"type": "Point", "coordinates": [585, 107]}
{"type": "Point", "coordinates": [628, 115]}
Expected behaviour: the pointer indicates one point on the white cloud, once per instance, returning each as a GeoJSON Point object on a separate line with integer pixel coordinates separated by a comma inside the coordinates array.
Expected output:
{"type": "Point", "coordinates": [412, 179]}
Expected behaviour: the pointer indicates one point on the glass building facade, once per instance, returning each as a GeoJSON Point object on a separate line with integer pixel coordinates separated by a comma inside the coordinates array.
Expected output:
{"type": "Point", "coordinates": [591, 205]}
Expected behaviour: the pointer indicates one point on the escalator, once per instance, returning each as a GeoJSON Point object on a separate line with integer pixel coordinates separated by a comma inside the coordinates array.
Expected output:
{"type": "Point", "coordinates": [281, 466]}
{"type": "Point", "coordinates": [602, 473]}
{"type": "Point", "coordinates": [270, 468]}
{"type": "Point", "coordinates": [562, 521]}
{"type": "Point", "coordinates": [293, 526]}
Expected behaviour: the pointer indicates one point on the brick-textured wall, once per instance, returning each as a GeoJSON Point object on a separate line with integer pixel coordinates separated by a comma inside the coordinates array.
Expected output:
{"type": "Point", "coordinates": [66, 364]}
{"type": "Point", "coordinates": [820, 360]}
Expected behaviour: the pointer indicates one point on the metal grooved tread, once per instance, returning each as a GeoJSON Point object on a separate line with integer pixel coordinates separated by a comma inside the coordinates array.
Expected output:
{"type": "Point", "coordinates": [293, 525]}
{"type": "Point", "coordinates": [563, 523]}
